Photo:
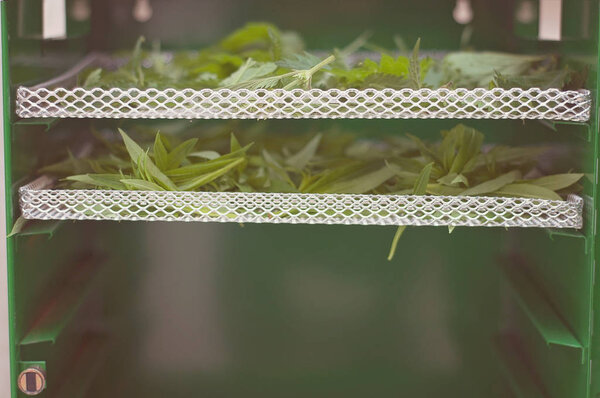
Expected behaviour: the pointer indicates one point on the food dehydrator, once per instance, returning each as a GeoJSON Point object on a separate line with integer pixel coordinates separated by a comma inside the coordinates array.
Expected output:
{"type": "Point", "coordinates": [157, 293]}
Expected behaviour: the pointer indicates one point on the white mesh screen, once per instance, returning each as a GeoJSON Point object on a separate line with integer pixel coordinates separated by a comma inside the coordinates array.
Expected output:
{"type": "Point", "coordinates": [295, 208]}
{"type": "Point", "coordinates": [515, 103]}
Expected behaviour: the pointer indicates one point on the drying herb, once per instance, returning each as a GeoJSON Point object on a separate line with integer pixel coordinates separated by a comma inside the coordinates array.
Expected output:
{"type": "Point", "coordinates": [261, 56]}
{"type": "Point", "coordinates": [328, 162]}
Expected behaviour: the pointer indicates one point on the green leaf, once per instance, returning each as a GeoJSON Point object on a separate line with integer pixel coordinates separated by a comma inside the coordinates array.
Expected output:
{"type": "Point", "coordinates": [300, 61]}
{"type": "Point", "coordinates": [528, 191]}
{"type": "Point", "coordinates": [395, 67]}
{"type": "Point", "coordinates": [301, 159]}
{"type": "Point", "coordinates": [276, 171]}
{"type": "Point", "coordinates": [469, 143]}
{"type": "Point", "coordinates": [276, 43]}
{"type": "Point", "coordinates": [106, 181]}
{"type": "Point", "coordinates": [328, 177]}
{"type": "Point", "coordinates": [141, 185]}
{"type": "Point", "coordinates": [93, 78]}
{"type": "Point", "coordinates": [420, 187]}
{"type": "Point", "coordinates": [249, 71]}
{"type": "Point", "coordinates": [202, 180]}
{"type": "Point", "coordinates": [210, 155]}
{"type": "Point", "coordinates": [471, 70]}
{"type": "Point", "coordinates": [161, 156]}
{"type": "Point", "coordinates": [196, 169]}
{"type": "Point", "coordinates": [414, 68]}
{"type": "Point", "coordinates": [544, 80]}
{"type": "Point", "coordinates": [141, 158]}
{"type": "Point", "coordinates": [493, 185]}
{"type": "Point", "coordinates": [17, 226]}
{"type": "Point", "coordinates": [453, 180]}
{"type": "Point", "coordinates": [443, 190]}
{"type": "Point", "coordinates": [425, 151]}
{"type": "Point", "coordinates": [252, 35]}
{"type": "Point", "coordinates": [397, 237]}
{"type": "Point", "coordinates": [180, 153]}
{"type": "Point", "coordinates": [362, 183]}
{"type": "Point", "coordinates": [234, 144]}
{"type": "Point", "coordinates": [557, 182]}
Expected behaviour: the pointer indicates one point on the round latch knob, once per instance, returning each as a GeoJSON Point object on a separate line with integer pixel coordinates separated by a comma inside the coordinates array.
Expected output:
{"type": "Point", "coordinates": [32, 381]}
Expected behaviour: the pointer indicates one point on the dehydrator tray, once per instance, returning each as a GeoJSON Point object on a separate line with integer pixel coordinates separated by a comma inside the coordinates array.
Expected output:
{"type": "Point", "coordinates": [40, 203]}
{"type": "Point", "coordinates": [61, 98]}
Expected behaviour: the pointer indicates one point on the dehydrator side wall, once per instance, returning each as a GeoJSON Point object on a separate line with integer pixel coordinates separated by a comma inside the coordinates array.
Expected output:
{"type": "Point", "coordinates": [7, 352]}
{"type": "Point", "coordinates": [594, 336]}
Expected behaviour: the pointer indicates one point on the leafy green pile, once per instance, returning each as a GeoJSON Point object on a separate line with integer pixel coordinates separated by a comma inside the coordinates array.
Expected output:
{"type": "Point", "coordinates": [333, 162]}
{"type": "Point", "coordinates": [260, 56]}
{"type": "Point", "coordinates": [330, 162]}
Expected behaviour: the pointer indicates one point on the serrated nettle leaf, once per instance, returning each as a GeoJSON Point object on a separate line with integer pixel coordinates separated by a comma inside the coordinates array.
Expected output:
{"type": "Point", "coordinates": [396, 67]}
{"type": "Point", "coordinates": [301, 159]}
{"type": "Point", "coordinates": [300, 61]}
{"type": "Point", "coordinates": [248, 71]}
{"type": "Point", "coordinates": [470, 69]}
{"type": "Point", "coordinates": [93, 78]}
{"type": "Point", "coordinates": [276, 43]}
{"type": "Point", "coordinates": [414, 67]}
{"type": "Point", "coordinates": [493, 185]}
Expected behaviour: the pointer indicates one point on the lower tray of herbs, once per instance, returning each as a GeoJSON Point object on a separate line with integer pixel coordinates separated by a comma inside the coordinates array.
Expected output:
{"type": "Point", "coordinates": [326, 178]}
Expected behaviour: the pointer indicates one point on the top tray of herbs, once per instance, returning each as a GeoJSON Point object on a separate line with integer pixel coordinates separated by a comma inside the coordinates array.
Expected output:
{"type": "Point", "coordinates": [260, 72]}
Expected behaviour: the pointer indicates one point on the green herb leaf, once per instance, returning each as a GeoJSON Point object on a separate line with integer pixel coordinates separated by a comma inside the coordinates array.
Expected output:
{"type": "Point", "coordinates": [362, 183]}
{"type": "Point", "coordinates": [557, 182]}
{"type": "Point", "coordinates": [420, 187]}
{"type": "Point", "coordinates": [397, 237]}
{"type": "Point", "coordinates": [17, 226]}
{"type": "Point", "coordinates": [180, 153]}
{"type": "Point", "coordinates": [105, 181]}
{"type": "Point", "coordinates": [210, 155]}
{"type": "Point", "coordinates": [528, 191]}
{"type": "Point", "coordinates": [161, 156]}
{"type": "Point", "coordinates": [493, 185]}
{"type": "Point", "coordinates": [300, 61]}
{"type": "Point", "coordinates": [141, 185]}
{"type": "Point", "coordinates": [301, 159]}
{"type": "Point", "coordinates": [414, 68]}
{"type": "Point", "coordinates": [93, 78]}
{"type": "Point", "coordinates": [141, 159]}
{"type": "Point", "coordinates": [199, 181]}
{"type": "Point", "coordinates": [247, 72]}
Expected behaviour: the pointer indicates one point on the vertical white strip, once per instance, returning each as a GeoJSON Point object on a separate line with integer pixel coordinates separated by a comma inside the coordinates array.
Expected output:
{"type": "Point", "coordinates": [5, 382]}
{"type": "Point", "coordinates": [550, 20]}
{"type": "Point", "coordinates": [54, 20]}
